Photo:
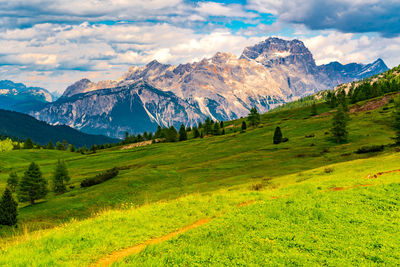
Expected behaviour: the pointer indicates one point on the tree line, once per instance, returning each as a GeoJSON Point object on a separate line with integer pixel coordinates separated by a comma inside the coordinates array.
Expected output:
{"type": "Point", "coordinates": [31, 187]}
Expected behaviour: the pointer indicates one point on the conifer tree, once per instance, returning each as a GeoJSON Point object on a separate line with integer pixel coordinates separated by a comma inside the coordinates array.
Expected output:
{"type": "Point", "coordinates": [12, 181]}
{"type": "Point", "coordinates": [254, 117]}
{"type": "Point", "coordinates": [339, 124]}
{"type": "Point", "coordinates": [182, 133]}
{"type": "Point", "coordinates": [32, 185]}
{"type": "Point", "coordinates": [196, 132]}
{"type": "Point", "coordinates": [28, 144]}
{"type": "Point", "coordinates": [314, 109]}
{"type": "Point", "coordinates": [93, 149]}
{"type": "Point", "coordinates": [277, 139]}
{"type": "Point", "coordinates": [50, 145]}
{"type": "Point", "coordinates": [60, 177]}
{"type": "Point", "coordinates": [172, 134]}
{"type": "Point", "coordinates": [221, 124]}
{"type": "Point", "coordinates": [208, 126]}
{"type": "Point", "coordinates": [59, 146]}
{"type": "Point", "coordinates": [216, 129]}
{"type": "Point", "coordinates": [71, 148]}
{"type": "Point", "coordinates": [244, 126]}
{"type": "Point", "coordinates": [8, 209]}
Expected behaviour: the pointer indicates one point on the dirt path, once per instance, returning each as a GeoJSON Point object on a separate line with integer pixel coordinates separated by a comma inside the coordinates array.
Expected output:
{"type": "Point", "coordinates": [119, 255]}
{"type": "Point", "coordinates": [373, 176]}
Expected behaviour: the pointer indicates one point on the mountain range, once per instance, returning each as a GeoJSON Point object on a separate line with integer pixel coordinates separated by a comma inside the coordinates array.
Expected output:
{"type": "Point", "coordinates": [17, 96]}
{"type": "Point", "coordinates": [222, 87]}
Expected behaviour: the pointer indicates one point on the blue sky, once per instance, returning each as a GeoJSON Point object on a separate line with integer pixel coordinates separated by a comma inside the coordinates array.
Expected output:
{"type": "Point", "coordinates": [52, 43]}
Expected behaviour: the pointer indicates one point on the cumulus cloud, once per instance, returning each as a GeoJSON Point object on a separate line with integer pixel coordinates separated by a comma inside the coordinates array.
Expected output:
{"type": "Point", "coordinates": [349, 47]}
{"type": "Point", "coordinates": [51, 48]}
{"type": "Point", "coordinates": [349, 16]}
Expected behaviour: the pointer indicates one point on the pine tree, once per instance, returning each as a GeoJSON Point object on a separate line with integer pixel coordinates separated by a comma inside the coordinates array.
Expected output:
{"type": "Point", "coordinates": [59, 146]}
{"type": "Point", "coordinates": [396, 121]}
{"type": "Point", "coordinates": [182, 133]}
{"type": "Point", "coordinates": [71, 148]}
{"type": "Point", "coordinates": [314, 109]}
{"type": "Point", "coordinates": [50, 145]}
{"type": "Point", "coordinates": [60, 177]}
{"type": "Point", "coordinates": [221, 124]}
{"type": "Point", "coordinates": [339, 125]}
{"type": "Point", "coordinates": [93, 149]}
{"type": "Point", "coordinates": [172, 134]}
{"type": "Point", "coordinates": [8, 209]}
{"type": "Point", "coordinates": [223, 132]}
{"type": "Point", "coordinates": [216, 129]}
{"type": "Point", "coordinates": [277, 139]}
{"type": "Point", "coordinates": [32, 185]}
{"type": "Point", "coordinates": [28, 144]}
{"type": "Point", "coordinates": [208, 126]}
{"type": "Point", "coordinates": [196, 132]}
{"type": "Point", "coordinates": [254, 117]}
{"type": "Point", "coordinates": [12, 181]}
{"type": "Point", "coordinates": [244, 126]}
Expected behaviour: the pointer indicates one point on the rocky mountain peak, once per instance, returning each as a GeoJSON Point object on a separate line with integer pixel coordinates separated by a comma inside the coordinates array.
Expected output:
{"type": "Point", "coordinates": [77, 88]}
{"type": "Point", "coordinates": [275, 51]}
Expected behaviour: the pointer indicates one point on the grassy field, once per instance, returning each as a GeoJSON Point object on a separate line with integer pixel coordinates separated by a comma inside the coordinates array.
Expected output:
{"type": "Point", "coordinates": [337, 215]}
{"type": "Point", "coordinates": [169, 170]}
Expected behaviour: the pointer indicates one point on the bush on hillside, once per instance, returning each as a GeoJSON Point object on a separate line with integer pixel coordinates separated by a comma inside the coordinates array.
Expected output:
{"type": "Point", "coordinates": [100, 178]}
{"type": "Point", "coordinates": [370, 149]}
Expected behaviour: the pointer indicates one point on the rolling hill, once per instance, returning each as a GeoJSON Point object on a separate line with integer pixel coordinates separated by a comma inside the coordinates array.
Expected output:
{"type": "Point", "coordinates": [22, 126]}
{"type": "Point", "coordinates": [233, 199]}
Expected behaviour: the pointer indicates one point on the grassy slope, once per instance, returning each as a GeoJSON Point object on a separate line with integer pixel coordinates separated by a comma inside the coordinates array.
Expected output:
{"type": "Point", "coordinates": [167, 171]}
{"type": "Point", "coordinates": [301, 221]}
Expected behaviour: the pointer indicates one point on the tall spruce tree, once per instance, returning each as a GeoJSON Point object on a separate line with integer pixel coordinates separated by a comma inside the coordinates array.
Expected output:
{"type": "Point", "coordinates": [32, 185]}
{"type": "Point", "coordinates": [196, 132]}
{"type": "Point", "coordinates": [172, 134]}
{"type": "Point", "coordinates": [254, 117]}
{"type": "Point", "coordinates": [244, 126]}
{"type": "Point", "coordinates": [182, 133]}
{"type": "Point", "coordinates": [12, 181]}
{"type": "Point", "coordinates": [60, 177]}
{"type": "Point", "coordinates": [216, 129]}
{"type": "Point", "coordinates": [339, 125]}
{"type": "Point", "coordinates": [28, 144]}
{"type": "Point", "coordinates": [8, 209]}
{"type": "Point", "coordinates": [396, 121]}
{"type": "Point", "coordinates": [59, 146]}
{"type": "Point", "coordinates": [50, 145]}
{"type": "Point", "coordinates": [208, 126]}
{"type": "Point", "coordinates": [277, 139]}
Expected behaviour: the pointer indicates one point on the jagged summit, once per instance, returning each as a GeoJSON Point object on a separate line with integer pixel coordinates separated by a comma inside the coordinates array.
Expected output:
{"type": "Point", "coordinates": [222, 87]}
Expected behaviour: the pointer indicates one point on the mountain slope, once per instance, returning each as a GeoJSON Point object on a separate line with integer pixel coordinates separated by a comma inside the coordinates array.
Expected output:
{"type": "Point", "coordinates": [19, 97]}
{"type": "Point", "coordinates": [136, 107]}
{"type": "Point", "coordinates": [21, 126]}
{"type": "Point", "coordinates": [223, 87]}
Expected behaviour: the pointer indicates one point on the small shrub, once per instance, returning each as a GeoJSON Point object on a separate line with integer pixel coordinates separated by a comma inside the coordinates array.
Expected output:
{"type": "Point", "coordinates": [369, 149]}
{"type": "Point", "coordinates": [325, 150]}
{"type": "Point", "coordinates": [100, 178]}
{"type": "Point", "coordinates": [257, 187]}
{"type": "Point", "coordinates": [71, 186]}
{"type": "Point", "coordinates": [328, 170]}
{"type": "Point", "coordinates": [310, 136]}
{"type": "Point", "coordinates": [285, 139]}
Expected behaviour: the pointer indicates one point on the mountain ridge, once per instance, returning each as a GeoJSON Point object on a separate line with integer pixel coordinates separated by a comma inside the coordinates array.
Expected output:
{"type": "Point", "coordinates": [222, 87]}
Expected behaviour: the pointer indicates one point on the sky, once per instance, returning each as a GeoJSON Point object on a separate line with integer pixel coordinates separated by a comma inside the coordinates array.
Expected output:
{"type": "Point", "coordinates": [53, 43]}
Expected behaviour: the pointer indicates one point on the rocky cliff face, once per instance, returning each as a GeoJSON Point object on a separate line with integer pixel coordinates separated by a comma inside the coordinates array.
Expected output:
{"type": "Point", "coordinates": [222, 87]}
{"type": "Point", "coordinates": [136, 107]}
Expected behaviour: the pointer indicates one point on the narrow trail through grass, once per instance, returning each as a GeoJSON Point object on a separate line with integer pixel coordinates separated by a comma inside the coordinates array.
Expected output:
{"type": "Point", "coordinates": [119, 255]}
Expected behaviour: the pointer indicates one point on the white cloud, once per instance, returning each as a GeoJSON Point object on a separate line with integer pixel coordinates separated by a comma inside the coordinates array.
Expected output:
{"type": "Point", "coordinates": [348, 48]}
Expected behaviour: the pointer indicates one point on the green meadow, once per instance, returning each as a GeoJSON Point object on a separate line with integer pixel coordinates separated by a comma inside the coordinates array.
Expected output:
{"type": "Point", "coordinates": [315, 201]}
